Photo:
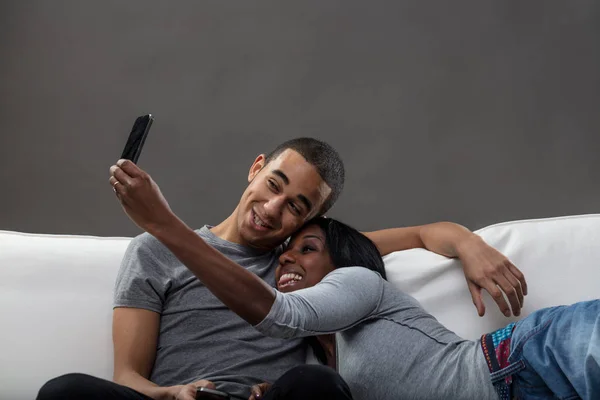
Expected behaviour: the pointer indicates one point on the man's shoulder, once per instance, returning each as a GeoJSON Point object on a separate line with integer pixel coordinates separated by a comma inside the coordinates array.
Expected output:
{"type": "Point", "coordinates": [147, 240]}
{"type": "Point", "coordinates": [145, 245]}
{"type": "Point", "coordinates": [144, 242]}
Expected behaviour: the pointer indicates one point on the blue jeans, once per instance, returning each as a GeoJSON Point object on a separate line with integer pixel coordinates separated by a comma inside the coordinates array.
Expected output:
{"type": "Point", "coordinates": [556, 351]}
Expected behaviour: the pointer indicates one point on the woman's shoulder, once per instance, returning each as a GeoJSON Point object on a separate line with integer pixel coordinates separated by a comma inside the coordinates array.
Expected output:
{"type": "Point", "coordinates": [354, 274]}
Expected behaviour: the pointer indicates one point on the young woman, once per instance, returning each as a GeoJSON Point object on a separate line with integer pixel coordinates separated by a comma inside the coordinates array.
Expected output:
{"type": "Point", "coordinates": [388, 347]}
{"type": "Point", "coordinates": [331, 281]}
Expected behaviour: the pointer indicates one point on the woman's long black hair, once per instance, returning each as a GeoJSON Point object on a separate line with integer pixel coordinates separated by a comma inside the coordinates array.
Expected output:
{"type": "Point", "coordinates": [347, 248]}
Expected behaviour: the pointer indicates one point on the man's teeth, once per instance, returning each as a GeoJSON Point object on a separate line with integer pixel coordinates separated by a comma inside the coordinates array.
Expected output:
{"type": "Point", "coordinates": [259, 222]}
{"type": "Point", "coordinates": [289, 278]}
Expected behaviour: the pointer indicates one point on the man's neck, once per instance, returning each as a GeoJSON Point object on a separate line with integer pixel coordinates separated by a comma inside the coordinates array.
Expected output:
{"type": "Point", "coordinates": [227, 230]}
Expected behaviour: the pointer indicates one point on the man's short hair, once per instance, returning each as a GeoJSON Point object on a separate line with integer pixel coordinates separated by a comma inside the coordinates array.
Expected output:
{"type": "Point", "coordinates": [325, 159]}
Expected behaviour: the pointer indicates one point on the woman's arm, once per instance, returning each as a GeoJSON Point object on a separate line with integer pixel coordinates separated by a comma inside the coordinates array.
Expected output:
{"type": "Point", "coordinates": [343, 299]}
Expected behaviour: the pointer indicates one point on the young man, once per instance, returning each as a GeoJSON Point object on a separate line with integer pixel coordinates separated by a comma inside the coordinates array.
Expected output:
{"type": "Point", "coordinates": [172, 335]}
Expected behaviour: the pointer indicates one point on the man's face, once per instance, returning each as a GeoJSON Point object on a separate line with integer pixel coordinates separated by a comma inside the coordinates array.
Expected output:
{"type": "Point", "coordinates": [281, 196]}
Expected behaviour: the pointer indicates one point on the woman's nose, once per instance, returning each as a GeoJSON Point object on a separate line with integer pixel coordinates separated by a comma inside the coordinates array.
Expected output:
{"type": "Point", "coordinates": [287, 258]}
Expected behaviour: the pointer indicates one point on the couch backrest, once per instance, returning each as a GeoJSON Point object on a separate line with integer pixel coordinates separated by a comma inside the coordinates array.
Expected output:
{"type": "Point", "coordinates": [56, 292]}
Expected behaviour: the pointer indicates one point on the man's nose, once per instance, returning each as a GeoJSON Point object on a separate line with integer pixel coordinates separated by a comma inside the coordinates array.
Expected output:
{"type": "Point", "coordinates": [274, 207]}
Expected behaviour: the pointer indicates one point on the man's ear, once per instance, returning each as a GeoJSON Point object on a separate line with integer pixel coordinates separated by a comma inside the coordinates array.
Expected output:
{"type": "Point", "coordinates": [258, 165]}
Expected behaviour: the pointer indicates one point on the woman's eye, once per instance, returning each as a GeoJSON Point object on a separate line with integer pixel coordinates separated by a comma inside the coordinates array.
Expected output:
{"type": "Point", "coordinates": [307, 249]}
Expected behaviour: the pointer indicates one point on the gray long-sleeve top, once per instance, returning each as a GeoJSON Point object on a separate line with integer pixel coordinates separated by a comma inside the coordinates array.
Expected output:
{"type": "Point", "coordinates": [388, 346]}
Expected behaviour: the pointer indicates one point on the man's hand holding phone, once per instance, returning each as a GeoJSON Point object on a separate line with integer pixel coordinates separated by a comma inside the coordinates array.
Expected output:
{"type": "Point", "coordinates": [140, 197]}
{"type": "Point", "coordinates": [186, 392]}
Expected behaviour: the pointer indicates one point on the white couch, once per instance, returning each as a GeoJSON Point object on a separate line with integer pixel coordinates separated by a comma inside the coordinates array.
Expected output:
{"type": "Point", "coordinates": [56, 292]}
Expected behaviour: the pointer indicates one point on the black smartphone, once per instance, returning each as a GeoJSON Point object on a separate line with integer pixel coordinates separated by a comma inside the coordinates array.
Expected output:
{"type": "Point", "coordinates": [137, 137]}
{"type": "Point", "coordinates": [211, 394]}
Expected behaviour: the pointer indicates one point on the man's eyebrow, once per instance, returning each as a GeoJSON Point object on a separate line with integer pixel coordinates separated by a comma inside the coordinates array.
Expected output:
{"type": "Point", "coordinates": [306, 202]}
{"type": "Point", "coordinates": [283, 176]}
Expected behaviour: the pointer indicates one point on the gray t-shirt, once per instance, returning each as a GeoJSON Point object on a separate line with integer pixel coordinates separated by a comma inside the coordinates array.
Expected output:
{"type": "Point", "coordinates": [388, 347]}
{"type": "Point", "coordinates": [200, 338]}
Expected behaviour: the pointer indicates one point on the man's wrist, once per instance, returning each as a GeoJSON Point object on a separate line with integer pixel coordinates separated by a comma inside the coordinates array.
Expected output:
{"type": "Point", "coordinates": [166, 228]}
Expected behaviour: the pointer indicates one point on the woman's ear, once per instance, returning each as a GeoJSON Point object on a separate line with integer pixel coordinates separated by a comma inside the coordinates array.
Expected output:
{"type": "Point", "coordinates": [256, 167]}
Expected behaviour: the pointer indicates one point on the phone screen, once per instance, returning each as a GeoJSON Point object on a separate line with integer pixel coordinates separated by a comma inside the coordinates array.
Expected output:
{"type": "Point", "coordinates": [137, 137]}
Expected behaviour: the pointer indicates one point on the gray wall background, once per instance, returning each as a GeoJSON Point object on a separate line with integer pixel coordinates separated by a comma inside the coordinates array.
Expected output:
{"type": "Point", "coordinates": [471, 111]}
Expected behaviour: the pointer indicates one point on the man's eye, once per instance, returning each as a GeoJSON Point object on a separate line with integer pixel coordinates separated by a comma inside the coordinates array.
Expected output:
{"type": "Point", "coordinates": [272, 185]}
{"type": "Point", "coordinates": [295, 209]}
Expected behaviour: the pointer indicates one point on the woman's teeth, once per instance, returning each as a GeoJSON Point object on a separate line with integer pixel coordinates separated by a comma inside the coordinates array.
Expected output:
{"type": "Point", "coordinates": [289, 278]}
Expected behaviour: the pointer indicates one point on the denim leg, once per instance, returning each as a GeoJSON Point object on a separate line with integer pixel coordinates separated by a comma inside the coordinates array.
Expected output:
{"type": "Point", "coordinates": [560, 347]}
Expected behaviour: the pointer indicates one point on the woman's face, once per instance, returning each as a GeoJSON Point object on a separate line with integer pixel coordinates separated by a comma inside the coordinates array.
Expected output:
{"type": "Point", "coordinates": [305, 261]}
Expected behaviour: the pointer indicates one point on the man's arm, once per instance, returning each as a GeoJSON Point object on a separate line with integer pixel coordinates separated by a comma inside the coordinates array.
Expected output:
{"type": "Point", "coordinates": [242, 291]}
{"type": "Point", "coordinates": [443, 238]}
{"type": "Point", "coordinates": [135, 335]}
{"type": "Point", "coordinates": [484, 267]}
